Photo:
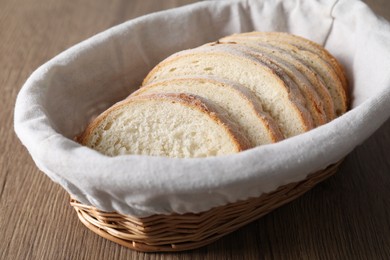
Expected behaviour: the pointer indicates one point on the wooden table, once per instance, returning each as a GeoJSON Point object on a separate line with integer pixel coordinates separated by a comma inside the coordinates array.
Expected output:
{"type": "Point", "coordinates": [345, 217]}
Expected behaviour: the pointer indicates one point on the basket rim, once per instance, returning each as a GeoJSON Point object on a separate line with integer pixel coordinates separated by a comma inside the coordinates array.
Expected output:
{"type": "Point", "coordinates": [180, 232]}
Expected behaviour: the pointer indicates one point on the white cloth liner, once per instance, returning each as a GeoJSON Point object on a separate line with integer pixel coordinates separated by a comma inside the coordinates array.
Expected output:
{"type": "Point", "coordinates": [62, 95]}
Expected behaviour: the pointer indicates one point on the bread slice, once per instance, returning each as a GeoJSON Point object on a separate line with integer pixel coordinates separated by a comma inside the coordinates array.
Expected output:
{"type": "Point", "coordinates": [305, 44]}
{"type": "Point", "coordinates": [279, 98]}
{"type": "Point", "coordinates": [321, 104]}
{"type": "Point", "coordinates": [171, 125]}
{"type": "Point", "coordinates": [326, 73]}
{"type": "Point", "coordinates": [313, 102]}
{"type": "Point", "coordinates": [314, 55]}
{"type": "Point", "coordinates": [240, 104]}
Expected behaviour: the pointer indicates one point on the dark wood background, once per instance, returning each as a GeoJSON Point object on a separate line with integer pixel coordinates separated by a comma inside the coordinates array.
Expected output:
{"type": "Point", "coordinates": [345, 217]}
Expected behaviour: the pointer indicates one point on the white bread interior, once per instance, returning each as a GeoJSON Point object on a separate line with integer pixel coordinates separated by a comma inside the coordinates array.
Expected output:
{"type": "Point", "coordinates": [171, 125]}
{"type": "Point", "coordinates": [240, 104]}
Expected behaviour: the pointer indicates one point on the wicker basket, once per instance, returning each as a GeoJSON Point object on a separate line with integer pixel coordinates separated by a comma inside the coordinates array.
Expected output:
{"type": "Point", "coordinates": [189, 231]}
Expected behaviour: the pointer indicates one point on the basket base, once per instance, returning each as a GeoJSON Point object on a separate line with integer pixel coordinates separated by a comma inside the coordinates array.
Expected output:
{"type": "Point", "coordinates": [170, 233]}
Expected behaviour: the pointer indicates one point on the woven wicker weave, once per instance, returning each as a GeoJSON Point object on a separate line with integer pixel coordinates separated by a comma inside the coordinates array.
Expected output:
{"type": "Point", "coordinates": [188, 231]}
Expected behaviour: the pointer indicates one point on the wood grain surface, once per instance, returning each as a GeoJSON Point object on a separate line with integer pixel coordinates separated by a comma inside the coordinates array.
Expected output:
{"type": "Point", "coordinates": [345, 217]}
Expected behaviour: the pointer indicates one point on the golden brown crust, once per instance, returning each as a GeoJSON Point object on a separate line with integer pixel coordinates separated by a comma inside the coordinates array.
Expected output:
{"type": "Point", "coordinates": [325, 54]}
{"type": "Point", "coordinates": [320, 102]}
{"type": "Point", "coordinates": [291, 76]}
{"type": "Point", "coordinates": [311, 46]}
{"type": "Point", "coordinates": [308, 45]}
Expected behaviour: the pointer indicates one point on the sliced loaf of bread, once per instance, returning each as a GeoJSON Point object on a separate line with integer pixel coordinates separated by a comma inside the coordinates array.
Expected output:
{"type": "Point", "coordinates": [240, 92]}
{"type": "Point", "coordinates": [282, 100]}
{"type": "Point", "coordinates": [304, 44]}
{"type": "Point", "coordinates": [310, 77]}
{"type": "Point", "coordinates": [313, 55]}
{"type": "Point", "coordinates": [171, 125]}
{"type": "Point", "coordinates": [312, 100]}
{"type": "Point", "coordinates": [240, 104]}
{"type": "Point", "coordinates": [322, 68]}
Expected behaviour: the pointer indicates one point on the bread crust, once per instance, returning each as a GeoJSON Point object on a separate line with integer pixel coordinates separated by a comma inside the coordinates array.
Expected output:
{"type": "Point", "coordinates": [306, 45]}
{"type": "Point", "coordinates": [292, 77]}
{"type": "Point", "coordinates": [320, 100]}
